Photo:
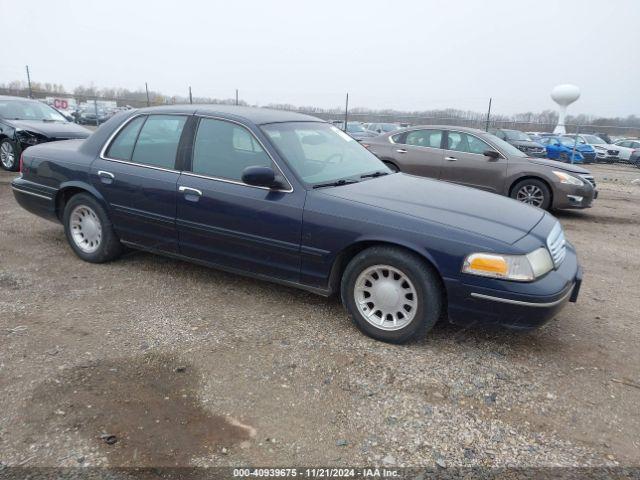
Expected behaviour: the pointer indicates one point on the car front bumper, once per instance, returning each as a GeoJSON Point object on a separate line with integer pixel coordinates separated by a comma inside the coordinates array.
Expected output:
{"type": "Point", "coordinates": [521, 306]}
{"type": "Point", "coordinates": [566, 196]}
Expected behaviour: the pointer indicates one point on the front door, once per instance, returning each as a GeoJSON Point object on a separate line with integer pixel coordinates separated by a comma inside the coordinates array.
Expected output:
{"type": "Point", "coordinates": [222, 220]}
{"type": "Point", "coordinates": [137, 178]}
{"type": "Point", "coordinates": [466, 164]}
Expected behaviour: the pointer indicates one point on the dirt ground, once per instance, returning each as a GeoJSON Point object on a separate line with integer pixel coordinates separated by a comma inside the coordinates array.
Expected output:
{"type": "Point", "coordinates": [151, 361]}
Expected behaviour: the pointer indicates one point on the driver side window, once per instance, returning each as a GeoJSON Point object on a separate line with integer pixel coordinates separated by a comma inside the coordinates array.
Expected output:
{"type": "Point", "coordinates": [223, 150]}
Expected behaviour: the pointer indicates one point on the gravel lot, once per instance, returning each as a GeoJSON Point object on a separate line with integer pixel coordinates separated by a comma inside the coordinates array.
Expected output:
{"type": "Point", "coordinates": [151, 361]}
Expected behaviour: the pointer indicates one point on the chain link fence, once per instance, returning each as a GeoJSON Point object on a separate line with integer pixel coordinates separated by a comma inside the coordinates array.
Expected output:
{"type": "Point", "coordinates": [466, 119]}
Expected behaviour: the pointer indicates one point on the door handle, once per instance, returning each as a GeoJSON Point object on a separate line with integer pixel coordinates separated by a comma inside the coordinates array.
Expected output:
{"type": "Point", "coordinates": [191, 194]}
{"type": "Point", "coordinates": [401, 150]}
{"type": "Point", "coordinates": [106, 177]}
{"type": "Point", "coordinates": [451, 159]}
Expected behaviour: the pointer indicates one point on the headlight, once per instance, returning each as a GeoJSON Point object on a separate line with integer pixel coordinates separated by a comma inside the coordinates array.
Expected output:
{"type": "Point", "coordinates": [519, 268]}
{"type": "Point", "coordinates": [566, 178]}
{"type": "Point", "coordinates": [24, 136]}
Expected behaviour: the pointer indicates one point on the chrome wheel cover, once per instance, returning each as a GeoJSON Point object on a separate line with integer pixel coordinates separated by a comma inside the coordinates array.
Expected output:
{"type": "Point", "coordinates": [86, 229]}
{"type": "Point", "coordinates": [7, 155]}
{"type": "Point", "coordinates": [385, 297]}
{"type": "Point", "coordinates": [531, 195]}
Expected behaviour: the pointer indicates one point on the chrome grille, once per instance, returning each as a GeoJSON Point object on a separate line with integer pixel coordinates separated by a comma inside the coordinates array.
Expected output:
{"type": "Point", "coordinates": [557, 244]}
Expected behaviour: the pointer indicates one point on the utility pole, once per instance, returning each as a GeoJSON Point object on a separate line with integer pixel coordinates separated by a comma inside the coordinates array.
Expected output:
{"type": "Point", "coordinates": [29, 82]}
{"type": "Point", "coordinates": [190, 97]}
{"type": "Point", "coordinates": [95, 109]}
{"type": "Point", "coordinates": [575, 143]}
{"type": "Point", "coordinates": [146, 87]}
{"type": "Point", "coordinates": [346, 113]}
{"type": "Point", "coordinates": [486, 128]}
{"type": "Point", "coordinates": [236, 97]}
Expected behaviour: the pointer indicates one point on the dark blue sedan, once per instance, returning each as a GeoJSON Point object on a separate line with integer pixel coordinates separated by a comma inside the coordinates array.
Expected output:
{"type": "Point", "coordinates": [289, 198]}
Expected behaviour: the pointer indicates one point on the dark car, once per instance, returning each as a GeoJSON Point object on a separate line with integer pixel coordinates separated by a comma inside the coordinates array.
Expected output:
{"type": "Point", "coordinates": [91, 116]}
{"type": "Point", "coordinates": [521, 141]}
{"type": "Point", "coordinates": [289, 198]}
{"type": "Point", "coordinates": [478, 159]}
{"type": "Point", "coordinates": [356, 130]}
{"type": "Point", "coordinates": [382, 127]}
{"type": "Point", "coordinates": [25, 122]}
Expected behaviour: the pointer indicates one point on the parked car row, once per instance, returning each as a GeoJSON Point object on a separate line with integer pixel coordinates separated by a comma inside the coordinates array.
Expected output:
{"type": "Point", "coordinates": [289, 198]}
{"type": "Point", "coordinates": [24, 123]}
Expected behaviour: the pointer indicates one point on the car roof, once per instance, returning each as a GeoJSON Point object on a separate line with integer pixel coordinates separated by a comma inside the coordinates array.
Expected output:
{"type": "Point", "coordinates": [256, 115]}
{"type": "Point", "coordinates": [477, 131]}
{"type": "Point", "coordinates": [11, 97]}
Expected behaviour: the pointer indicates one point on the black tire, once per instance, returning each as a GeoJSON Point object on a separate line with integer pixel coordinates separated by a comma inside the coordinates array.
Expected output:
{"type": "Point", "coordinates": [533, 183]}
{"type": "Point", "coordinates": [425, 280]}
{"type": "Point", "coordinates": [392, 166]}
{"type": "Point", "coordinates": [109, 247]}
{"type": "Point", "coordinates": [7, 164]}
{"type": "Point", "coordinates": [564, 158]}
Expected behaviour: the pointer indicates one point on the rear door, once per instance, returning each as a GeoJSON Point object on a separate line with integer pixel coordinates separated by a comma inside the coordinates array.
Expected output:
{"type": "Point", "coordinates": [224, 221]}
{"type": "Point", "coordinates": [137, 176]}
{"type": "Point", "coordinates": [419, 152]}
{"type": "Point", "coordinates": [466, 164]}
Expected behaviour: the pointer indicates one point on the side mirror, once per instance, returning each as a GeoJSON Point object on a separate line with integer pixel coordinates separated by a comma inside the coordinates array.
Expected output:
{"type": "Point", "coordinates": [259, 177]}
{"type": "Point", "coordinates": [492, 154]}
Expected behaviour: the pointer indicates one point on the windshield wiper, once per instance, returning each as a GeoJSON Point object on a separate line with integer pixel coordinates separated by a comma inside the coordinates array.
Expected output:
{"type": "Point", "coordinates": [374, 174]}
{"type": "Point", "coordinates": [337, 183]}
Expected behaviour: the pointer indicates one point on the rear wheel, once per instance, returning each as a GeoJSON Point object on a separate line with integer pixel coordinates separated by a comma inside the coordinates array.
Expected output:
{"type": "Point", "coordinates": [564, 158]}
{"type": "Point", "coordinates": [391, 294]}
{"type": "Point", "coordinates": [532, 192]}
{"type": "Point", "coordinates": [89, 230]}
{"type": "Point", "coordinates": [9, 155]}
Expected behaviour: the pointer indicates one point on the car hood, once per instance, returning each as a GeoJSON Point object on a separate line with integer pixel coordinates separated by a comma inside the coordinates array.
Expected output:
{"type": "Point", "coordinates": [362, 134]}
{"type": "Point", "coordinates": [525, 143]}
{"type": "Point", "coordinates": [567, 167]}
{"type": "Point", "coordinates": [52, 129]}
{"type": "Point", "coordinates": [493, 216]}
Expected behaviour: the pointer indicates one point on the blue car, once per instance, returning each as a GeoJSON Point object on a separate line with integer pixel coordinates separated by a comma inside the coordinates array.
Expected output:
{"type": "Point", "coordinates": [289, 198]}
{"type": "Point", "coordinates": [562, 149]}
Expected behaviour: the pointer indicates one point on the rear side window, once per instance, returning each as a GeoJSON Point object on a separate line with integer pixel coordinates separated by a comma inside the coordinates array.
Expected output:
{"type": "Point", "coordinates": [424, 138]}
{"type": "Point", "coordinates": [224, 149]}
{"type": "Point", "coordinates": [158, 140]}
{"type": "Point", "coordinates": [122, 147]}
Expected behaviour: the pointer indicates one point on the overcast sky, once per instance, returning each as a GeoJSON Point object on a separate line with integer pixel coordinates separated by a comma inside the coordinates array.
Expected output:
{"type": "Point", "coordinates": [411, 55]}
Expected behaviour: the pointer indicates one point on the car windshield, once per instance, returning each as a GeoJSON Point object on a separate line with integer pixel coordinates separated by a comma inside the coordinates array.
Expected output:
{"type": "Point", "coordinates": [389, 127]}
{"type": "Point", "coordinates": [29, 110]}
{"type": "Point", "coordinates": [321, 153]}
{"type": "Point", "coordinates": [516, 135]}
{"type": "Point", "coordinates": [592, 139]}
{"type": "Point", "coordinates": [503, 146]}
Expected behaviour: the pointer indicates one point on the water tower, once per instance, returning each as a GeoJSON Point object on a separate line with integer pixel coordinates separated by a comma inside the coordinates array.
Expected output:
{"type": "Point", "coordinates": [564, 95]}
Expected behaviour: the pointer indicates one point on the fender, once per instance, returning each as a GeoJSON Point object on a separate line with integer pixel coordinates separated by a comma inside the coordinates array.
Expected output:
{"type": "Point", "coordinates": [82, 185]}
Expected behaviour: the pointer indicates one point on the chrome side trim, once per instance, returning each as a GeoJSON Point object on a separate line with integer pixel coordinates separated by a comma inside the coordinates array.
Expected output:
{"type": "Point", "coordinates": [521, 303]}
{"type": "Point", "coordinates": [31, 193]}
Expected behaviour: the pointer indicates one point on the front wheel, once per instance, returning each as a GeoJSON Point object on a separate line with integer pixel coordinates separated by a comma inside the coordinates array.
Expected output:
{"type": "Point", "coordinates": [532, 192]}
{"type": "Point", "coordinates": [391, 294]}
{"type": "Point", "coordinates": [9, 155]}
{"type": "Point", "coordinates": [392, 166]}
{"type": "Point", "coordinates": [89, 230]}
